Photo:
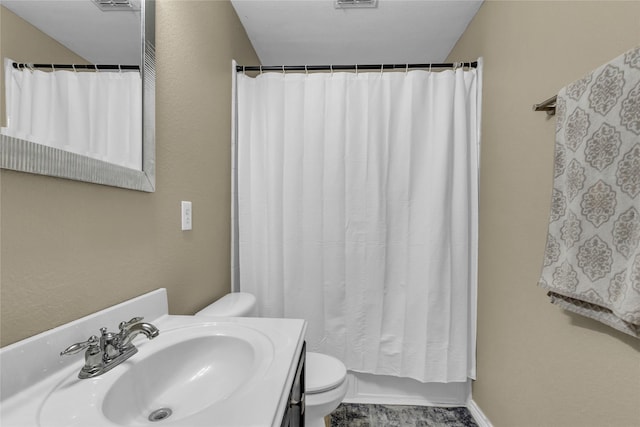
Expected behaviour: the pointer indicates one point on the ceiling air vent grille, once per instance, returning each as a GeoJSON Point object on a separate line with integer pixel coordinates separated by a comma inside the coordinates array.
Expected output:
{"type": "Point", "coordinates": [117, 5]}
{"type": "Point", "coordinates": [348, 4]}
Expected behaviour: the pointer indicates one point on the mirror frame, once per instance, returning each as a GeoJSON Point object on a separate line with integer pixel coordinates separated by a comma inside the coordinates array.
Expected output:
{"type": "Point", "coordinates": [26, 156]}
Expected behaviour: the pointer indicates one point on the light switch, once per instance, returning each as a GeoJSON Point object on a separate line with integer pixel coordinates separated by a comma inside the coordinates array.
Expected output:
{"type": "Point", "coordinates": [186, 216]}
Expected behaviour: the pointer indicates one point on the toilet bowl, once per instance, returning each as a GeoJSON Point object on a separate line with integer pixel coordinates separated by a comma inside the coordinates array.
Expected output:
{"type": "Point", "coordinates": [325, 387]}
{"type": "Point", "coordinates": [325, 376]}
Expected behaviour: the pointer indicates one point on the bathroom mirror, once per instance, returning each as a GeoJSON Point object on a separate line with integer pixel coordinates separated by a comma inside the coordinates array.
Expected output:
{"type": "Point", "coordinates": [27, 156]}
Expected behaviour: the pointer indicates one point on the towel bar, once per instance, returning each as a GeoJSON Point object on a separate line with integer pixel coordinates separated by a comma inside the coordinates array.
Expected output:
{"type": "Point", "coordinates": [548, 105]}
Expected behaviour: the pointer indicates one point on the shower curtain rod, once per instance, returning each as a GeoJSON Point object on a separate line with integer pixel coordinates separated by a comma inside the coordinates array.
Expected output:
{"type": "Point", "coordinates": [241, 68]}
{"type": "Point", "coordinates": [77, 66]}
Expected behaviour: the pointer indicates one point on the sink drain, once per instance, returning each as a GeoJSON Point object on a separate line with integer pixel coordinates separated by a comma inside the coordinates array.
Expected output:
{"type": "Point", "coordinates": [160, 414]}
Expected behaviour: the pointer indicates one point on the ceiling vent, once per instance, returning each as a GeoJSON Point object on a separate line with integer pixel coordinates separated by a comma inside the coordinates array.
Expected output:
{"type": "Point", "coordinates": [117, 5]}
{"type": "Point", "coordinates": [352, 4]}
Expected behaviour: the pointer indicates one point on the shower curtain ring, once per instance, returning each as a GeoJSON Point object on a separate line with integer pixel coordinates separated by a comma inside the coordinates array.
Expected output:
{"type": "Point", "coordinates": [356, 69]}
{"type": "Point", "coordinates": [406, 69]}
{"type": "Point", "coordinates": [74, 68]}
{"type": "Point", "coordinates": [305, 69]}
{"type": "Point", "coordinates": [331, 68]}
{"type": "Point", "coordinates": [261, 69]}
{"type": "Point", "coordinates": [283, 73]}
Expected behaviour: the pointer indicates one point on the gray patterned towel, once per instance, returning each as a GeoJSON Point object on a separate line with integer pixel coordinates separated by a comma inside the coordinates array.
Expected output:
{"type": "Point", "coordinates": [592, 257]}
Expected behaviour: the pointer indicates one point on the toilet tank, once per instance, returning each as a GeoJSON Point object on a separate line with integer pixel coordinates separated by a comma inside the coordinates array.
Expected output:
{"type": "Point", "coordinates": [237, 304]}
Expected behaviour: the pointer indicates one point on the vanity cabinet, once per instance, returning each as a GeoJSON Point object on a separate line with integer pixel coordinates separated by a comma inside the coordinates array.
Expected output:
{"type": "Point", "coordinates": [294, 413]}
{"type": "Point", "coordinates": [206, 349]}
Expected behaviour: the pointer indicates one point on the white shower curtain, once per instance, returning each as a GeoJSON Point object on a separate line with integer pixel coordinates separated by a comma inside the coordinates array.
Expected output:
{"type": "Point", "coordinates": [95, 114]}
{"type": "Point", "coordinates": [357, 211]}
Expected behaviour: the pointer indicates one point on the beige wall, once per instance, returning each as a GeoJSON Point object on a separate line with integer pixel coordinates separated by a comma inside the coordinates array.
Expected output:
{"type": "Point", "coordinates": [538, 365]}
{"type": "Point", "coordinates": [70, 248]}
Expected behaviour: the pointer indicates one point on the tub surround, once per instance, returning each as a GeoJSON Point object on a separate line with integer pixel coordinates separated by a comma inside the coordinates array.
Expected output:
{"type": "Point", "coordinates": [32, 368]}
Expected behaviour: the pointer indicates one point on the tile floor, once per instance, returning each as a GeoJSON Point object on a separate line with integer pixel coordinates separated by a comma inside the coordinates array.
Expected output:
{"type": "Point", "coordinates": [360, 415]}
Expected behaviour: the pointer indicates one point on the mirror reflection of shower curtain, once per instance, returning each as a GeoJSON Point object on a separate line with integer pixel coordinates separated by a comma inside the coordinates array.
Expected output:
{"type": "Point", "coordinates": [95, 114]}
{"type": "Point", "coordinates": [357, 211]}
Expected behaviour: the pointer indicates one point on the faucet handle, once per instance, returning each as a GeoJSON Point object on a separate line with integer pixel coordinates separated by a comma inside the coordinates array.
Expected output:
{"type": "Point", "coordinates": [79, 346]}
{"type": "Point", "coordinates": [130, 323]}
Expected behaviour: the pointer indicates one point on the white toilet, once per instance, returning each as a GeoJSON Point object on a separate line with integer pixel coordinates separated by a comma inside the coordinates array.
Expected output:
{"type": "Point", "coordinates": [325, 376]}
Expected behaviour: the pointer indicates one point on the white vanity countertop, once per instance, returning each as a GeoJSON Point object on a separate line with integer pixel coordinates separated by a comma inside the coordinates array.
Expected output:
{"type": "Point", "coordinates": [36, 379]}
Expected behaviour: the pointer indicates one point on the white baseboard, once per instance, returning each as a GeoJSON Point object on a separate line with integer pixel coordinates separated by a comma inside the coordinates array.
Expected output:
{"type": "Point", "coordinates": [479, 416]}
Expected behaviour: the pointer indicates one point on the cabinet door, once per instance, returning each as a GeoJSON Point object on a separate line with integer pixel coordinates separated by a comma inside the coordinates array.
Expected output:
{"type": "Point", "coordinates": [294, 417]}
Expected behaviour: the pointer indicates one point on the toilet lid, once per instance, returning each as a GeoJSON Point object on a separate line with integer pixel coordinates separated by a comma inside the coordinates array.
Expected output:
{"type": "Point", "coordinates": [236, 304]}
{"type": "Point", "coordinates": [323, 372]}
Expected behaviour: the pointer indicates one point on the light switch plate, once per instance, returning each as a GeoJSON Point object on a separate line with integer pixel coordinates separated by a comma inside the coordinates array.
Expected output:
{"type": "Point", "coordinates": [186, 216]}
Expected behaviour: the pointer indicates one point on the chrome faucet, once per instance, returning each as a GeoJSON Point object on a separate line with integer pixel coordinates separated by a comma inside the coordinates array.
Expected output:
{"type": "Point", "coordinates": [129, 330]}
{"type": "Point", "coordinates": [111, 349]}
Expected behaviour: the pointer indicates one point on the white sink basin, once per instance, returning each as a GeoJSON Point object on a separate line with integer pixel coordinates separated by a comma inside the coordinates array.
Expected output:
{"type": "Point", "coordinates": [183, 378]}
{"type": "Point", "coordinates": [233, 372]}
{"type": "Point", "coordinates": [178, 375]}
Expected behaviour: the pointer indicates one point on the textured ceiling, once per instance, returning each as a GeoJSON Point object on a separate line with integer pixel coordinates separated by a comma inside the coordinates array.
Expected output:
{"type": "Point", "coordinates": [283, 32]}
{"type": "Point", "coordinates": [298, 32]}
{"type": "Point", "coordinates": [99, 37]}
